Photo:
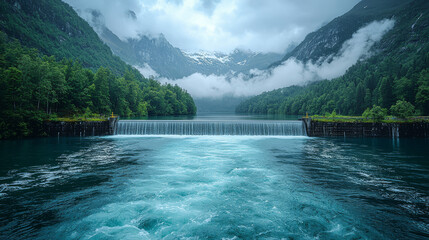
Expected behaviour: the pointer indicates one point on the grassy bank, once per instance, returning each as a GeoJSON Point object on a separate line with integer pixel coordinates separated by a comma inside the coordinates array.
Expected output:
{"type": "Point", "coordinates": [79, 118]}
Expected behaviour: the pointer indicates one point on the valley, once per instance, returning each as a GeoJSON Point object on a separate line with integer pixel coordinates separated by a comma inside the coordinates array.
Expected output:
{"type": "Point", "coordinates": [193, 119]}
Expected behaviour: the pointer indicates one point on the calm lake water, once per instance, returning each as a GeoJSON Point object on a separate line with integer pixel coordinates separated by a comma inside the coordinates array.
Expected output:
{"type": "Point", "coordinates": [216, 187]}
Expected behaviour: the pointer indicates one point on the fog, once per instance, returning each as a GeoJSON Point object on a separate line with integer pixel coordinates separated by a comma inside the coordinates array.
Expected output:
{"type": "Point", "coordinates": [291, 72]}
{"type": "Point", "coordinates": [217, 25]}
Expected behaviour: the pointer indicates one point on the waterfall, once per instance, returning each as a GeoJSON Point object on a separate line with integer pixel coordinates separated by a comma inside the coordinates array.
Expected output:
{"type": "Point", "coordinates": [195, 127]}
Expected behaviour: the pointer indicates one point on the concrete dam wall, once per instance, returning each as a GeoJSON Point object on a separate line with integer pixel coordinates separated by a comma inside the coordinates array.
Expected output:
{"type": "Point", "coordinates": [80, 128]}
{"type": "Point", "coordinates": [361, 129]}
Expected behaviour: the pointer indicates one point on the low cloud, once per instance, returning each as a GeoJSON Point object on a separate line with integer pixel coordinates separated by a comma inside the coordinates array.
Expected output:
{"type": "Point", "coordinates": [291, 72]}
{"type": "Point", "coordinates": [147, 71]}
{"type": "Point", "coordinates": [353, 49]}
{"type": "Point", "coordinates": [217, 25]}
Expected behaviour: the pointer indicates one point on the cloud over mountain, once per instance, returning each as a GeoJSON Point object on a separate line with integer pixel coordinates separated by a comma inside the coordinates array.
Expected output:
{"type": "Point", "coordinates": [290, 72]}
{"type": "Point", "coordinates": [221, 25]}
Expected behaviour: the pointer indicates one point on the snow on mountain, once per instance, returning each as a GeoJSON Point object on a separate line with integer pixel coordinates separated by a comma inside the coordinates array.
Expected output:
{"type": "Point", "coordinates": [204, 57]}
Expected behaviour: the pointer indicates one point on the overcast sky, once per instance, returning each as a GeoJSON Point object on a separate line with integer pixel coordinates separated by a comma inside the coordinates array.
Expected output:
{"type": "Point", "coordinates": [218, 25]}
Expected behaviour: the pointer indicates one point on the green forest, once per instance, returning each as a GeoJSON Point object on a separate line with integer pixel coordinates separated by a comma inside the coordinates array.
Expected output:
{"type": "Point", "coordinates": [35, 87]}
{"type": "Point", "coordinates": [364, 85]}
{"type": "Point", "coordinates": [397, 71]}
{"type": "Point", "coordinates": [54, 28]}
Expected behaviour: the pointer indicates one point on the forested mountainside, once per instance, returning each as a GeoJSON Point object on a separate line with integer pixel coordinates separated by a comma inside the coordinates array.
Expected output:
{"type": "Point", "coordinates": [53, 64]}
{"type": "Point", "coordinates": [171, 62]}
{"type": "Point", "coordinates": [54, 28]}
{"type": "Point", "coordinates": [35, 87]}
{"type": "Point", "coordinates": [398, 69]}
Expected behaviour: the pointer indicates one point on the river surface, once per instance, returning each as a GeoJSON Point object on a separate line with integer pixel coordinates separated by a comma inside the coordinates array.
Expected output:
{"type": "Point", "coordinates": [214, 187]}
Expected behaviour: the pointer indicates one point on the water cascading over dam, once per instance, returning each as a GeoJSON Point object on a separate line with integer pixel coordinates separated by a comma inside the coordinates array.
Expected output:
{"type": "Point", "coordinates": [195, 127]}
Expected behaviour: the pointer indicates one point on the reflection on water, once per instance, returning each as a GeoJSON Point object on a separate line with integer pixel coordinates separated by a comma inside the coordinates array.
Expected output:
{"type": "Point", "coordinates": [231, 187]}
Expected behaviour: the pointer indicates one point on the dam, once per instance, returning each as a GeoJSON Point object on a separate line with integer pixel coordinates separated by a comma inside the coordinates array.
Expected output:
{"type": "Point", "coordinates": [210, 127]}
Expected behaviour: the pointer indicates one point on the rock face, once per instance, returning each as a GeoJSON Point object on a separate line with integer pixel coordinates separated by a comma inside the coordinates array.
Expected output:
{"type": "Point", "coordinates": [80, 128]}
{"type": "Point", "coordinates": [341, 129]}
{"type": "Point", "coordinates": [173, 63]}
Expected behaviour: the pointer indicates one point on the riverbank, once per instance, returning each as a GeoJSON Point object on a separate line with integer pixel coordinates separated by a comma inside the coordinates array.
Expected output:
{"type": "Point", "coordinates": [354, 128]}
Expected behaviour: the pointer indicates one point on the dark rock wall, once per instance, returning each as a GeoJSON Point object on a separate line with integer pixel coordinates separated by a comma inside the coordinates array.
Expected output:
{"type": "Point", "coordinates": [80, 128]}
{"type": "Point", "coordinates": [339, 129]}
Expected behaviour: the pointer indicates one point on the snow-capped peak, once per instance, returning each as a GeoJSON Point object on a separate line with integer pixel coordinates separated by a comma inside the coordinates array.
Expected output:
{"type": "Point", "coordinates": [208, 57]}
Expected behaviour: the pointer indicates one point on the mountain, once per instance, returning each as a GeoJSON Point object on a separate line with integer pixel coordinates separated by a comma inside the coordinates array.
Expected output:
{"type": "Point", "coordinates": [171, 62]}
{"type": "Point", "coordinates": [158, 53]}
{"type": "Point", "coordinates": [237, 61]}
{"type": "Point", "coordinates": [54, 28]}
{"type": "Point", "coordinates": [329, 39]}
{"type": "Point", "coordinates": [397, 67]}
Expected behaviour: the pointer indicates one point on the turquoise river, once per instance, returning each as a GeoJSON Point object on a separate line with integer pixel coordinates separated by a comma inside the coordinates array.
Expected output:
{"type": "Point", "coordinates": [133, 186]}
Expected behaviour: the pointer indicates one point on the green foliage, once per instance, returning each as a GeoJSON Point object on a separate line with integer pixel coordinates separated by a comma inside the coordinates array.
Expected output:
{"type": "Point", "coordinates": [142, 109]}
{"type": "Point", "coordinates": [386, 93]}
{"type": "Point", "coordinates": [402, 109]}
{"type": "Point", "coordinates": [88, 113]}
{"type": "Point", "coordinates": [422, 96]}
{"type": "Point", "coordinates": [100, 91]}
{"type": "Point", "coordinates": [376, 113]}
{"type": "Point", "coordinates": [34, 87]}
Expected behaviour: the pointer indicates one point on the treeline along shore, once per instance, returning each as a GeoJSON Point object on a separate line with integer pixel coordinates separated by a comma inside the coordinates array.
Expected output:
{"type": "Point", "coordinates": [36, 88]}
